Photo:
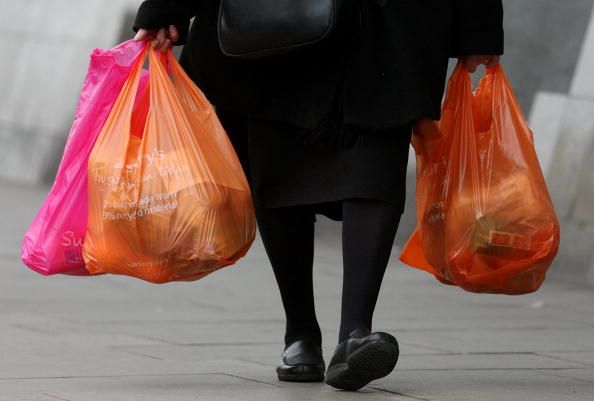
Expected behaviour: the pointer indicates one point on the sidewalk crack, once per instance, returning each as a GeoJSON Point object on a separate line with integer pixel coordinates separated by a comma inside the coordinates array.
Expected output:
{"type": "Point", "coordinates": [400, 394]}
{"type": "Point", "coordinates": [245, 378]}
{"type": "Point", "coordinates": [55, 396]}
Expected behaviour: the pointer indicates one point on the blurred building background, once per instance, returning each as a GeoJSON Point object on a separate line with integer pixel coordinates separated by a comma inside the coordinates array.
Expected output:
{"type": "Point", "coordinates": [549, 57]}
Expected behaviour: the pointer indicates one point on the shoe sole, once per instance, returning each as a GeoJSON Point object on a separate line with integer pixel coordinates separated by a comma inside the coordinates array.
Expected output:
{"type": "Point", "coordinates": [303, 376]}
{"type": "Point", "coordinates": [371, 361]}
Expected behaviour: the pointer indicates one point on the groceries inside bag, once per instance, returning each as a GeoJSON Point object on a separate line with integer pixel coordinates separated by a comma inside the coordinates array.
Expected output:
{"type": "Point", "coordinates": [485, 220]}
{"type": "Point", "coordinates": [168, 199]}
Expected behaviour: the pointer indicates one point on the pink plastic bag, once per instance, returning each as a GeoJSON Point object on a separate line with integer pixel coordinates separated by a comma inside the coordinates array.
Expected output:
{"type": "Point", "coordinates": [53, 243]}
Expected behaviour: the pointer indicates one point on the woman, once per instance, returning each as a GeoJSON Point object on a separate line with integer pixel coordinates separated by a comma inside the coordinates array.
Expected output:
{"type": "Point", "coordinates": [327, 131]}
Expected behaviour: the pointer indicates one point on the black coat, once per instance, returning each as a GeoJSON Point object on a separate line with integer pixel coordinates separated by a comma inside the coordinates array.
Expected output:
{"type": "Point", "coordinates": [395, 73]}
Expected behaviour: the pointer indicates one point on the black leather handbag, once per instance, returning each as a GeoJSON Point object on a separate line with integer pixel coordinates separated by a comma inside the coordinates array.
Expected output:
{"type": "Point", "coordinates": [264, 28]}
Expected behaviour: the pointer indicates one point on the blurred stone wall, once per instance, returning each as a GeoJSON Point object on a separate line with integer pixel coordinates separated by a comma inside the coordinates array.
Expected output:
{"type": "Point", "coordinates": [45, 47]}
{"type": "Point", "coordinates": [543, 40]}
{"type": "Point", "coordinates": [565, 122]}
{"type": "Point", "coordinates": [44, 53]}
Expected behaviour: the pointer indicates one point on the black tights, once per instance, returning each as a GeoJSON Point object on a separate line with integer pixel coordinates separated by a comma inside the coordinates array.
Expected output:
{"type": "Point", "coordinates": [368, 231]}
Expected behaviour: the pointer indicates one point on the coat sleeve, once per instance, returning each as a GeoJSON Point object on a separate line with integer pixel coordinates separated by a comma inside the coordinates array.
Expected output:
{"type": "Point", "coordinates": [156, 14]}
{"type": "Point", "coordinates": [478, 28]}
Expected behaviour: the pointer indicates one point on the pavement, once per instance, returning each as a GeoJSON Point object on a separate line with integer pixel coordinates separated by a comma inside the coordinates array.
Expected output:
{"type": "Point", "coordinates": [114, 338]}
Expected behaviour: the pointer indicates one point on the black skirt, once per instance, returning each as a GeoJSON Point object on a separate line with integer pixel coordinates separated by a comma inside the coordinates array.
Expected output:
{"type": "Point", "coordinates": [284, 170]}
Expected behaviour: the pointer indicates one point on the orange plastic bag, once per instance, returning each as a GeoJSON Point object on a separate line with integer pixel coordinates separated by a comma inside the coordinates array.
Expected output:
{"type": "Point", "coordinates": [168, 199]}
{"type": "Point", "coordinates": [485, 220]}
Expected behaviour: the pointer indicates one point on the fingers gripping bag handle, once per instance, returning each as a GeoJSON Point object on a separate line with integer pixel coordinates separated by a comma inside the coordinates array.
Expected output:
{"type": "Point", "coordinates": [173, 203]}
{"type": "Point", "coordinates": [53, 242]}
{"type": "Point", "coordinates": [485, 221]}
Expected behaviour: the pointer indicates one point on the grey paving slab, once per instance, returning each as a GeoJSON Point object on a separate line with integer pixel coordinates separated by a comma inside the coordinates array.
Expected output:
{"type": "Point", "coordinates": [134, 387]}
{"type": "Point", "coordinates": [486, 385]}
{"type": "Point", "coordinates": [583, 357]}
{"type": "Point", "coordinates": [25, 334]}
{"type": "Point", "coordinates": [207, 387]}
{"type": "Point", "coordinates": [509, 340]}
{"type": "Point", "coordinates": [486, 361]}
{"type": "Point", "coordinates": [577, 375]}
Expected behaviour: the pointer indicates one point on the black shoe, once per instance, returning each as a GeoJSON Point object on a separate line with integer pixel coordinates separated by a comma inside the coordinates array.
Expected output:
{"type": "Point", "coordinates": [302, 361]}
{"type": "Point", "coordinates": [361, 358]}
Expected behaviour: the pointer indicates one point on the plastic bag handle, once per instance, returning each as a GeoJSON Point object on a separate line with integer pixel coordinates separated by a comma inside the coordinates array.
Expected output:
{"type": "Point", "coordinates": [483, 97]}
{"type": "Point", "coordinates": [195, 98]}
{"type": "Point", "coordinates": [124, 103]}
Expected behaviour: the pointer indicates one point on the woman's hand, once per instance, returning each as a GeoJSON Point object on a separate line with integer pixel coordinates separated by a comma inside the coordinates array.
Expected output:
{"type": "Point", "coordinates": [472, 62]}
{"type": "Point", "coordinates": [163, 39]}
